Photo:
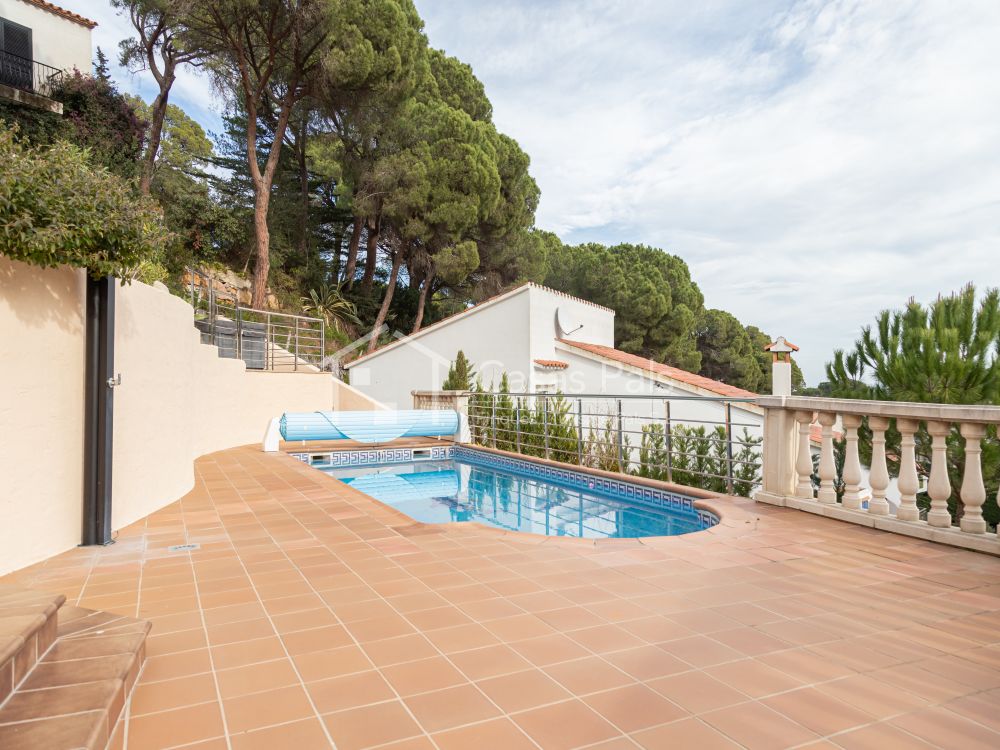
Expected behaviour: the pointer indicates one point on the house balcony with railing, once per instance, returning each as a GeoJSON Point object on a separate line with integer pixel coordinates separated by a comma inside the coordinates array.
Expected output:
{"type": "Point", "coordinates": [40, 43]}
{"type": "Point", "coordinates": [27, 75]}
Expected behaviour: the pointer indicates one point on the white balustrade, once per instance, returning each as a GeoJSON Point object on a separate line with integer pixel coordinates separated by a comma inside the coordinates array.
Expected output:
{"type": "Point", "coordinates": [879, 476]}
{"type": "Point", "coordinates": [908, 482]}
{"type": "Point", "coordinates": [852, 462]}
{"type": "Point", "coordinates": [939, 486]}
{"type": "Point", "coordinates": [827, 467]}
{"type": "Point", "coordinates": [803, 461]}
{"type": "Point", "coordinates": [921, 449]}
{"type": "Point", "coordinates": [973, 490]}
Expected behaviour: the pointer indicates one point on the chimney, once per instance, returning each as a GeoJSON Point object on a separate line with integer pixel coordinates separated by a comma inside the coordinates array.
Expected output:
{"type": "Point", "coordinates": [781, 366]}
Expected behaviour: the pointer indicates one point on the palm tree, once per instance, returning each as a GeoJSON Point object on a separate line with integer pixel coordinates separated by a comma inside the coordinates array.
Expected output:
{"type": "Point", "coordinates": [328, 302]}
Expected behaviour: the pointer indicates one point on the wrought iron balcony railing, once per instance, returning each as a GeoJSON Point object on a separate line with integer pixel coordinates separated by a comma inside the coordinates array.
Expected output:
{"type": "Point", "coordinates": [28, 75]}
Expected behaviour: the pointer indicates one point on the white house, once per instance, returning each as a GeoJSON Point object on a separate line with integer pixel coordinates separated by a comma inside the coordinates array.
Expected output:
{"type": "Point", "coordinates": [40, 41]}
{"type": "Point", "coordinates": [548, 341]}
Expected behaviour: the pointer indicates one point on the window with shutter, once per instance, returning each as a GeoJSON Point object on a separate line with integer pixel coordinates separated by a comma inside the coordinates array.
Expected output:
{"type": "Point", "coordinates": [15, 55]}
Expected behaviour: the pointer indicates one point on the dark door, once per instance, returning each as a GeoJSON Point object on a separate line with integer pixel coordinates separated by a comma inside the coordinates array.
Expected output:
{"type": "Point", "coordinates": [15, 55]}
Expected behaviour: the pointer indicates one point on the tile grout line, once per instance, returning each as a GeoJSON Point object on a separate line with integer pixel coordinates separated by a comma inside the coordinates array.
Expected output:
{"type": "Point", "coordinates": [359, 645]}
{"type": "Point", "coordinates": [204, 624]}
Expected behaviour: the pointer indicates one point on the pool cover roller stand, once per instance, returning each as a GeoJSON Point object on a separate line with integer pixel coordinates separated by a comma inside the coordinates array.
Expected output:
{"type": "Point", "coordinates": [362, 426]}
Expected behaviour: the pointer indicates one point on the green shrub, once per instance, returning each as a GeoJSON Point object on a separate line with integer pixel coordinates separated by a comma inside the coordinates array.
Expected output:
{"type": "Point", "coordinates": [57, 208]}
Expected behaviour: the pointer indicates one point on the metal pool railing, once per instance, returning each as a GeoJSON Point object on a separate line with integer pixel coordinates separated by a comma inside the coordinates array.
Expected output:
{"type": "Point", "coordinates": [708, 442]}
{"type": "Point", "coordinates": [264, 340]}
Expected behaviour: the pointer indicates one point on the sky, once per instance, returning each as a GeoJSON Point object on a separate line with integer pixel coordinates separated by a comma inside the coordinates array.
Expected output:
{"type": "Point", "coordinates": [813, 162]}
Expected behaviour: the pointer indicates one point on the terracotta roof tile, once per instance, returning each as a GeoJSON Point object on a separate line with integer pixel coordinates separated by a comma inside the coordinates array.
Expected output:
{"type": "Point", "coordinates": [62, 12]}
{"type": "Point", "coordinates": [816, 434]}
{"type": "Point", "coordinates": [552, 364]}
{"type": "Point", "coordinates": [674, 373]}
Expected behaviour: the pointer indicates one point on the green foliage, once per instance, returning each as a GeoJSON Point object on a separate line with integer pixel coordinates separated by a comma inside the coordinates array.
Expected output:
{"type": "Point", "coordinates": [351, 144]}
{"type": "Point", "coordinates": [57, 208]}
{"type": "Point", "coordinates": [182, 186]}
{"type": "Point", "coordinates": [653, 452]}
{"type": "Point", "coordinates": [944, 352]}
{"type": "Point", "coordinates": [504, 417]}
{"type": "Point", "coordinates": [699, 458]}
{"type": "Point", "coordinates": [329, 303]}
{"type": "Point", "coordinates": [456, 85]}
{"type": "Point", "coordinates": [97, 117]}
{"type": "Point", "coordinates": [461, 374]}
{"type": "Point", "coordinates": [727, 351]}
{"type": "Point", "coordinates": [558, 421]}
{"type": "Point", "coordinates": [656, 301]}
{"type": "Point", "coordinates": [601, 449]}
{"type": "Point", "coordinates": [101, 71]}
{"type": "Point", "coordinates": [37, 126]}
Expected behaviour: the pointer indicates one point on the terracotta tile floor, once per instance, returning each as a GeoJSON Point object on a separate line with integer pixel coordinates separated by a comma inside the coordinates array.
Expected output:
{"type": "Point", "coordinates": [312, 616]}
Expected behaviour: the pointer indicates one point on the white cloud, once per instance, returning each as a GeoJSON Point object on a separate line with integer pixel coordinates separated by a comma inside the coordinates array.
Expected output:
{"type": "Point", "coordinates": [813, 162]}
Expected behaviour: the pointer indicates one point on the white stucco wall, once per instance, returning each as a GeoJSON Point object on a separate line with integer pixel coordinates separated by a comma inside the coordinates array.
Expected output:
{"type": "Point", "coordinates": [55, 40]}
{"type": "Point", "coordinates": [178, 400]}
{"type": "Point", "coordinates": [587, 322]}
{"type": "Point", "coordinates": [494, 338]}
{"type": "Point", "coordinates": [41, 412]}
{"type": "Point", "coordinates": [505, 335]}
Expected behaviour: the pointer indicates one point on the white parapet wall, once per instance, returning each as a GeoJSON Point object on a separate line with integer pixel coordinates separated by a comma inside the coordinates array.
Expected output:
{"type": "Point", "coordinates": [177, 401]}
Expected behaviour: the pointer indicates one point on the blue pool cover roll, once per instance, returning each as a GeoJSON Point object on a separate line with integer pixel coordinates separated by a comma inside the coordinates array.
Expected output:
{"type": "Point", "coordinates": [368, 426]}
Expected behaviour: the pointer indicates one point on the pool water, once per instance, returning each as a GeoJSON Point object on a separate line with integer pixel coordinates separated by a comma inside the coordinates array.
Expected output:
{"type": "Point", "coordinates": [454, 490]}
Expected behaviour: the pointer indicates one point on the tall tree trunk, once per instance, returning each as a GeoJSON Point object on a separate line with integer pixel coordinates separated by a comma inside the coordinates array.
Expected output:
{"type": "Point", "coordinates": [300, 148]}
{"type": "Point", "coordinates": [423, 302]}
{"type": "Point", "coordinates": [262, 182]}
{"type": "Point", "coordinates": [158, 111]}
{"type": "Point", "coordinates": [352, 251]}
{"type": "Point", "coordinates": [371, 257]}
{"type": "Point", "coordinates": [262, 264]}
{"type": "Point", "coordinates": [397, 260]}
{"type": "Point", "coordinates": [338, 244]}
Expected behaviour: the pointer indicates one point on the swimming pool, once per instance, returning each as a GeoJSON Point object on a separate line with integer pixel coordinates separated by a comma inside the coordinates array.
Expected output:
{"type": "Point", "coordinates": [470, 486]}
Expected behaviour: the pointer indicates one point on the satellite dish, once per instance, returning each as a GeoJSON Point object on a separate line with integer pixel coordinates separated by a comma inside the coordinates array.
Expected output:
{"type": "Point", "coordinates": [565, 323]}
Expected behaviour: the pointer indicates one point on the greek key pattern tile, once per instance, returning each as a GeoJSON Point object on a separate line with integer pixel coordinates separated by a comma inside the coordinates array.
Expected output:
{"type": "Point", "coordinates": [370, 457]}
{"type": "Point", "coordinates": [636, 493]}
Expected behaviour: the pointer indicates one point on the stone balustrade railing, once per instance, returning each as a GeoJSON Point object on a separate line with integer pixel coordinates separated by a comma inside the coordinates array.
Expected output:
{"type": "Point", "coordinates": [788, 464]}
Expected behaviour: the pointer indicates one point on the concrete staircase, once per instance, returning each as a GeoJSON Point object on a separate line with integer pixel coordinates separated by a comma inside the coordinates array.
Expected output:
{"type": "Point", "coordinates": [65, 672]}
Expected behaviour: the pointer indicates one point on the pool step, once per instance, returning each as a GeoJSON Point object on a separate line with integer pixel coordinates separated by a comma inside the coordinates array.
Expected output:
{"type": "Point", "coordinates": [67, 672]}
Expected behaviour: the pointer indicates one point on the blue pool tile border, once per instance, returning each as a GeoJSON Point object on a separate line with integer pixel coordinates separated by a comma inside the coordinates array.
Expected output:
{"type": "Point", "coordinates": [368, 457]}
{"type": "Point", "coordinates": [631, 491]}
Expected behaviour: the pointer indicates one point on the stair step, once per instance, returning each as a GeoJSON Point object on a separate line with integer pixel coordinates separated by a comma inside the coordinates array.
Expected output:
{"type": "Point", "coordinates": [27, 629]}
{"type": "Point", "coordinates": [72, 696]}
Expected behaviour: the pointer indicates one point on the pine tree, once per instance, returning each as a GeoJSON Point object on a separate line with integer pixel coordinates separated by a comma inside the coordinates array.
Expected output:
{"type": "Point", "coordinates": [944, 352]}
{"type": "Point", "coordinates": [101, 71]}
{"type": "Point", "coordinates": [461, 374]}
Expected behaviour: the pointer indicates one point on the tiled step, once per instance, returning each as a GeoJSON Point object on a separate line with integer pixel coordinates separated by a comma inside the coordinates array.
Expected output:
{"type": "Point", "coordinates": [73, 696]}
{"type": "Point", "coordinates": [27, 630]}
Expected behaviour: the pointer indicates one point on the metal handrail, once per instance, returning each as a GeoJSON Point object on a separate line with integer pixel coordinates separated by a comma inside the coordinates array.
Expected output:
{"type": "Point", "coordinates": [678, 454]}
{"type": "Point", "coordinates": [263, 339]}
{"type": "Point", "coordinates": [28, 75]}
